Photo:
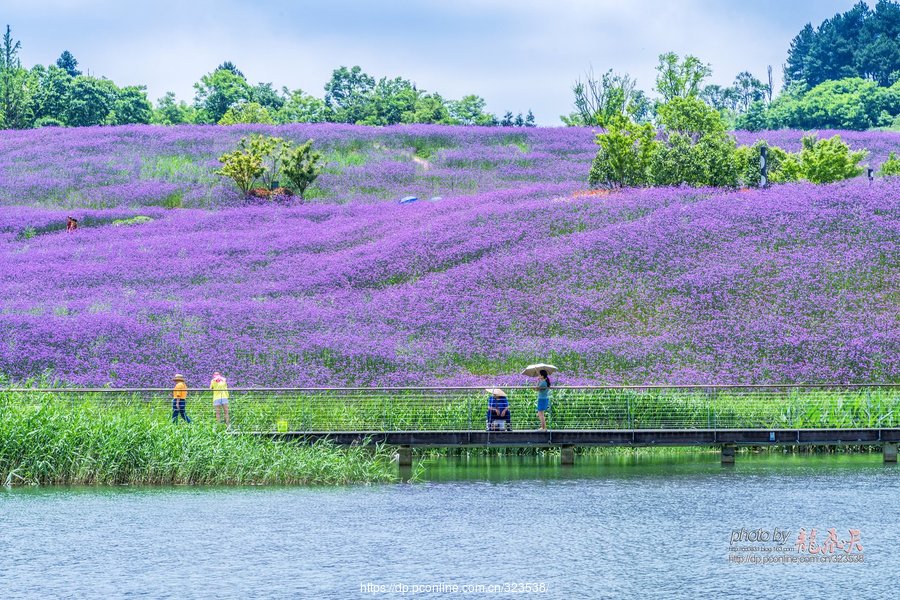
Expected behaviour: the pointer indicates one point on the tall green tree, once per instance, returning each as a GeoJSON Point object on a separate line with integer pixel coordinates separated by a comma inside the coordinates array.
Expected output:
{"type": "Point", "coordinates": [51, 92]}
{"type": "Point", "coordinates": [469, 110]}
{"type": "Point", "coordinates": [15, 93]}
{"type": "Point", "coordinates": [677, 78]}
{"type": "Point", "coordinates": [749, 89]}
{"type": "Point", "coordinates": [67, 63]}
{"type": "Point", "coordinates": [860, 42]}
{"type": "Point", "coordinates": [90, 101]}
{"type": "Point", "coordinates": [169, 111]}
{"type": "Point", "coordinates": [132, 106]}
{"type": "Point", "coordinates": [267, 96]}
{"type": "Point", "coordinates": [300, 107]}
{"type": "Point", "coordinates": [599, 100]}
{"type": "Point", "coordinates": [347, 94]}
{"type": "Point", "coordinates": [430, 108]}
{"type": "Point", "coordinates": [389, 100]}
{"type": "Point", "coordinates": [218, 91]}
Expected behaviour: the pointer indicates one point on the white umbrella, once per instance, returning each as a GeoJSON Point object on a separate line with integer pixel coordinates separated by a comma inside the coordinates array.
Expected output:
{"type": "Point", "coordinates": [535, 370]}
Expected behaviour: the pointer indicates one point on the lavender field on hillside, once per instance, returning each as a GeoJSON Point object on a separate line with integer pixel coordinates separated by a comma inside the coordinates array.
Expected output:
{"type": "Point", "coordinates": [516, 262]}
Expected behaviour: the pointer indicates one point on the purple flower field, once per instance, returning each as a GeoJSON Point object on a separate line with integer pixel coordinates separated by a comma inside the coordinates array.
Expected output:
{"type": "Point", "coordinates": [515, 263]}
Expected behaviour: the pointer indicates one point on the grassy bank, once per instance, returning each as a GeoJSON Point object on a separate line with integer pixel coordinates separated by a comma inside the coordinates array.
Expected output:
{"type": "Point", "coordinates": [54, 443]}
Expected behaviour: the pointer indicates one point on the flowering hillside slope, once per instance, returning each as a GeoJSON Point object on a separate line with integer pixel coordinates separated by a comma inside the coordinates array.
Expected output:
{"type": "Point", "coordinates": [793, 283]}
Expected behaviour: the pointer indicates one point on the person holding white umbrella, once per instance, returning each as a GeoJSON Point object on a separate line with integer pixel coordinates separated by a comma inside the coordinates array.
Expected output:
{"type": "Point", "coordinates": [543, 389]}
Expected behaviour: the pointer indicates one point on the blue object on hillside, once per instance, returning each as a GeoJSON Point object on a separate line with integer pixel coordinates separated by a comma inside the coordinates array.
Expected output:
{"type": "Point", "coordinates": [408, 199]}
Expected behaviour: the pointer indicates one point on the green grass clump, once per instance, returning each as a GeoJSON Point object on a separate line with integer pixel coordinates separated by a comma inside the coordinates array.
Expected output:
{"type": "Point", "coordinates": [132, 221]}
{"type": "Point", "coordinates": [46, 441]}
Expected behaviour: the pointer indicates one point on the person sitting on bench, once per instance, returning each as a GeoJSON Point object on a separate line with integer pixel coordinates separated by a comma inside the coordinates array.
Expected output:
{"type": "Point", "coordinates": [498, 410]}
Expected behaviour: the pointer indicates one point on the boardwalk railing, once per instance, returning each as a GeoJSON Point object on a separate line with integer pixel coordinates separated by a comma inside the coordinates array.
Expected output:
{"type": "Point", "coordinates": [465, 408]}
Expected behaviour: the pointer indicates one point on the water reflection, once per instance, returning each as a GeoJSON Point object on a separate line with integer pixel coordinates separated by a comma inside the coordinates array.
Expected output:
{"type": "Point", "coordinates": [642, 463]}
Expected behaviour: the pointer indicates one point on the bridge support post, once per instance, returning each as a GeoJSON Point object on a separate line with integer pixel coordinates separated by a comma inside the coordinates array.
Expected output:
{"type": "Point", "coordinates": [404, 457]}
{"type": "Point", "coordinates": [728, 454]}
{"type": "Point", "coordinates": [890, 453]}
{"type": "Point", "coordinates": [567, 455]}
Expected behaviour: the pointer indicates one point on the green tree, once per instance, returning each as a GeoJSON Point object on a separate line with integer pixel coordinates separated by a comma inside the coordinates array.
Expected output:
{"type": "Point", "coordinates": [826, 161]}
{"type": "Point", "coordinates": [300, 107]}
{"type": "Point", "coordinates": [15, 93]}
{"type": "Point", "coordinates": [754, 119]}
{"type": "Point", "coordinates": [689, 116]}
{"type": "Point", "coordinates": [347, 94]}
{"type": "Point", "coordinates": [302, 165]}
{"type": "Point", "coordinates": [678, 78]}
{"type": "Point", "coordinates": [890, 167]}
{"type": "Point", "coordinates": [169, 111]}
{"type": "Point", "coordinates": [850, 103]}
{"type": "Point", "coordinates": [218, 91]}
{"type": "Point", "coordinates": [470, 111]}
{"type": "Point", "coordinates": [599, 100]}
{"type": "Point", "coordinates": [626, 151]}
{"type": "Point", "coordinates": [246, 112]}
{"type": "Point", "coordinates": [243, 165]}
{"type": "Point", "coordinates": [861, 42]}
{"type": "Point", "coordinates": [749, 89]}
{"type": "Point", "coordinates": [67, 63]}
{"type": "Point", "coordinates": [90, 101]}
{"type": "Point", "coordinates": [267, 96]}
{"type": "Point", "coordinates": [430, 108]}
{"type": "Point", "coordinates": [51, 92]}
{"type": "Point", "coordinates": [389, 100]}
{"type": "Point", "coordinates": [132, 105]}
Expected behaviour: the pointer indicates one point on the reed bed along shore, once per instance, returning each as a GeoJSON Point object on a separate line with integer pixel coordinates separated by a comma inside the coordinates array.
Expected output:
{"type": "Point", "coordinates": [51, 443]}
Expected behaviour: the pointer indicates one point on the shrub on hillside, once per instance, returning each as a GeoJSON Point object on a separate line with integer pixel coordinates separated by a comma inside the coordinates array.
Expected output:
{"type": "Point", "coordinates": [826, 161]}
{"type": "Point", "coordinates": [783, 167]}
{"type": "Point", "coordinates": [694, 148]}
{"type": "Point", "coordinates": [624, 156]}
{"type": "Point", "coordinates": [260, 159]}
{"type": "Point", "coordinates": [890, 167]}
{"type": "Point", "coordinates": [302, 166]}
{"type": "Point", "coordinates": [242, 166]}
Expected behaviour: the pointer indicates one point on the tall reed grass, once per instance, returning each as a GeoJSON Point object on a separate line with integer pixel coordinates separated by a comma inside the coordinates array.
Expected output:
{"type": "Point", "coordinates": [90, 444]}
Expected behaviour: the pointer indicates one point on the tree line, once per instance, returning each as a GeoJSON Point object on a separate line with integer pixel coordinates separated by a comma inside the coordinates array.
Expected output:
{"type": "Point", "coordinates": [843, 74]}
{"type": "Point", "coordinates": [688, 141]}
{"type": "Point", "coordinates": [61, 95]}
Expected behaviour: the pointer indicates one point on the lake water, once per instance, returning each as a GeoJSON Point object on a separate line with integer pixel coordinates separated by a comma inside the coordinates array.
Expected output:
{"type": "Point", "coordinates": [607, 528]}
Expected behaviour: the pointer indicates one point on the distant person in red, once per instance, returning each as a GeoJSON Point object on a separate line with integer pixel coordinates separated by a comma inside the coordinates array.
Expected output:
{"type": "Point", "coordinates": [71, 224]}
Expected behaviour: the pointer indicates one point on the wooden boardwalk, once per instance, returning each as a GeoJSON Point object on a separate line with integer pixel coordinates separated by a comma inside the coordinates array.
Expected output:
{"type": "Point", "coordinates": [568, 439]}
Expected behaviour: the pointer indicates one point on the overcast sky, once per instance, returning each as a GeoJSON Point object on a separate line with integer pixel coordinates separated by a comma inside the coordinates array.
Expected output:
{"type": "Point", "coordinates": [517, 54]}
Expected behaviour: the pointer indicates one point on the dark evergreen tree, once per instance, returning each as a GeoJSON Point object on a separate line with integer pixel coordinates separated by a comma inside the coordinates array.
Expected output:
{"type": "Point", "coordinates": [67, 63]}
{"type": "Point", "coordinates": [230, 66]}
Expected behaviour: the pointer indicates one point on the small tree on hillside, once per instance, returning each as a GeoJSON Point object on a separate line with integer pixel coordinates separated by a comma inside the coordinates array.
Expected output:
{"type": "Point", "coordinates": [626, 150]}
{"type": "Point", "coordinates": [302, 165]}
{"type": "Point", "coordinates": [826, 161]}
{"type": "Point", "coordinates": [246, 112]}
{"type": "Point", "coordinates": [243, 166]}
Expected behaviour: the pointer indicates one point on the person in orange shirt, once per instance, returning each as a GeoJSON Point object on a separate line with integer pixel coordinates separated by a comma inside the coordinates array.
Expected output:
{"type": "Point", "coordinates": [179, 399]}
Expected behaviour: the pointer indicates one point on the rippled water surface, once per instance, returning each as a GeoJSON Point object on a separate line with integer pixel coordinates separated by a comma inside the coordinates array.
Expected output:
{"type": "Point", "coordinates": [617, 528]}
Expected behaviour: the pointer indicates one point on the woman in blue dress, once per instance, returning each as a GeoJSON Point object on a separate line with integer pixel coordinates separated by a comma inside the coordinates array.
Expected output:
{"type": "Point", "coordinates": [543, 399]}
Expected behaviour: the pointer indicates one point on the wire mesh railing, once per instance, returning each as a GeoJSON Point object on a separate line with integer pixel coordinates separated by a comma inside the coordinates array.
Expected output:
{"type": "Point", "coordinates": [466, 408]}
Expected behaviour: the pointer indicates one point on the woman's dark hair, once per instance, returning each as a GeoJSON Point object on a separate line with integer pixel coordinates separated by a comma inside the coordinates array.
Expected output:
{"type": "Point", "coordinates": [545, 376]}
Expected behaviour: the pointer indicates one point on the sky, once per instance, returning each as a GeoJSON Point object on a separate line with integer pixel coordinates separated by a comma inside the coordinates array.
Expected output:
{"type": "Point", "coordinates": [516, 54]}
